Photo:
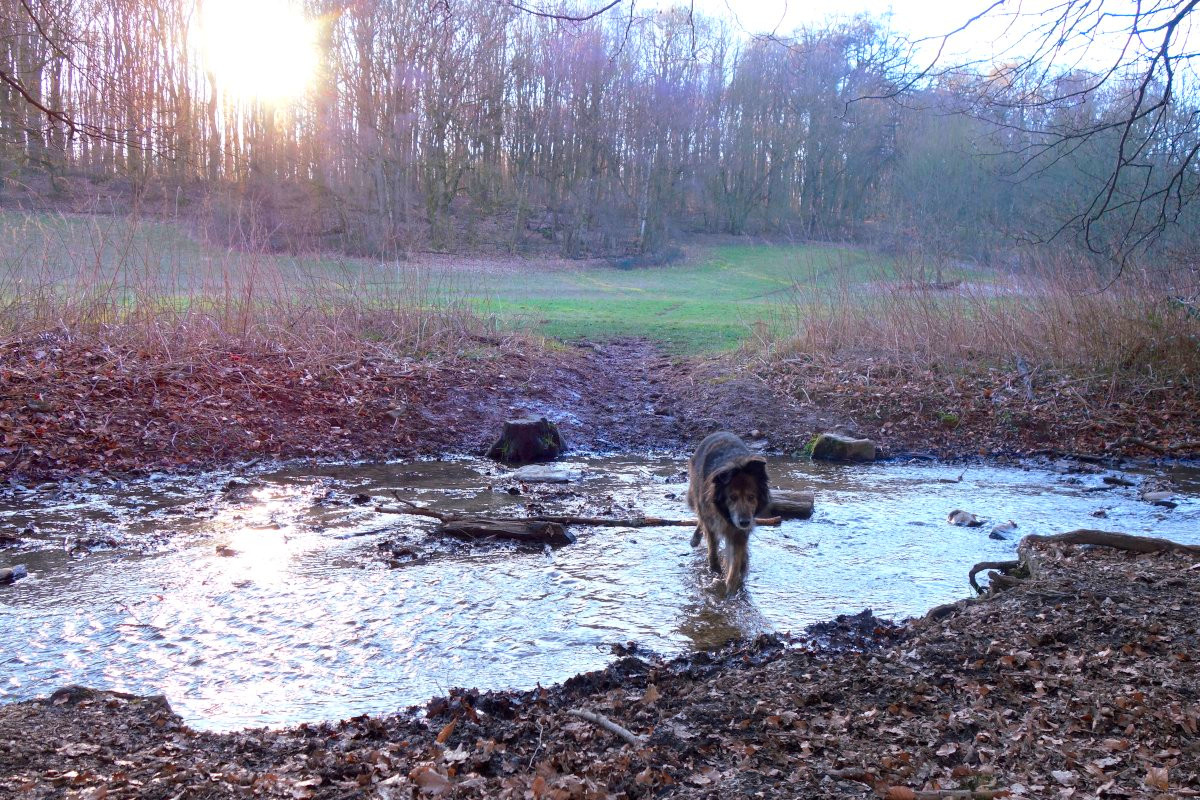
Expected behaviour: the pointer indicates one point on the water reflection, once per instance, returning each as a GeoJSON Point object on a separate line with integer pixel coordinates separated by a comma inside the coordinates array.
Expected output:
{"type": "Point", "coordinates": [302, 619]}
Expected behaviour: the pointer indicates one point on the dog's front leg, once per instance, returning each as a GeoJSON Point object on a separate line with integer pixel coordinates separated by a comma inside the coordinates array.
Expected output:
{"type": "Point", "coordinates": [739, 563]}
{"type": "Point", "coordinates": [710, 538]}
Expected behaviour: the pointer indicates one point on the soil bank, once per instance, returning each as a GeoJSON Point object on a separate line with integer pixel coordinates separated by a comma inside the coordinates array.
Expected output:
{"type": "Point", "coordinates": [66, 408]}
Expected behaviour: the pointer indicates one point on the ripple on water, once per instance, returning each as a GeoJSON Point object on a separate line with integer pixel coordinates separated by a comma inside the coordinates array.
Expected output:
{"type": "Point", "coordinates": [304, 622]}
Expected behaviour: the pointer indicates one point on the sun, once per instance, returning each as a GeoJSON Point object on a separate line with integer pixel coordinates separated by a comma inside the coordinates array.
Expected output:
{"type": "Point", "coordinates": [259, 49]}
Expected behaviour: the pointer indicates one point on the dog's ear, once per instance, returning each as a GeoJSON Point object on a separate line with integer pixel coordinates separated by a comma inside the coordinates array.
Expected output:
{"type": "Point", "coordinates": [715, 486]}
{"type": "Point", "coordinates": [756, 466]}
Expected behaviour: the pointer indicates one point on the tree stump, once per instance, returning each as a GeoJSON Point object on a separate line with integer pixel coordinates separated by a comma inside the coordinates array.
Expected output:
{"type": "Point", "coordinates": [528, 441]}
{"type": "Point", "coordinates": [838, 447]}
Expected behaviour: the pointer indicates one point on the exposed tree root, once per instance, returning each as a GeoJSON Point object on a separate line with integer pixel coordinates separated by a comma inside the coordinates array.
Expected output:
{"type": "Point", "coordinates": [1005, 567]}
{"type": "Point", "coordinates": [1007, 574]}
{"type": "Point", "coordinates": [1119, 541]}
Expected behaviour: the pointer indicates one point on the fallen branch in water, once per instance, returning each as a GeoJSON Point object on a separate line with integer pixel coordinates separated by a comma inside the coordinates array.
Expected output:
{"type": "Point", "coordinates": [600, 522]}
{"type": "Point", "coordinates": [608, 725]}
{"type": "Point", "coordinates": [533, 532]}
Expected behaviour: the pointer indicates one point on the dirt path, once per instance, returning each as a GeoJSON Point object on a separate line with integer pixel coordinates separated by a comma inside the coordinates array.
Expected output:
{"type": "Point", "coordinates": [1081, 683]}
{"type": "Point", "coordinates": [629, 395]}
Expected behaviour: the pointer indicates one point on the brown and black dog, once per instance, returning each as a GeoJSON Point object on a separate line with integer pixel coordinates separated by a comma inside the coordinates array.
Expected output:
{"type": "Point", "coordinates": [727, 487]}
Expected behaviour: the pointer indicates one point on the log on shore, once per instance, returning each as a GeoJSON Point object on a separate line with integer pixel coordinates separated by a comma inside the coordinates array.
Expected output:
{"type": "Point", "coordinates": [533, 532]}
{"type": "Point", "coordinates": [790, 505]}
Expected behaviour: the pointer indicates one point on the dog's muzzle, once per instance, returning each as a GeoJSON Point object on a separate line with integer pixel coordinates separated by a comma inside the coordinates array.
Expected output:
{"type": "Point", "coordinates": [743, 523]}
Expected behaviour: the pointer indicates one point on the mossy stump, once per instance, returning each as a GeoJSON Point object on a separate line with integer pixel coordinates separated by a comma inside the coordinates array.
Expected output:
{"type": "Point", "coordinates": [839, 447]}
{"type": "Point", "coordinates": [528, 441]}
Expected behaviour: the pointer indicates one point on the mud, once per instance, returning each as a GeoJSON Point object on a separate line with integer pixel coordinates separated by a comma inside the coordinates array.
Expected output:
{"type": "Point", "coordinates": [627, 395]}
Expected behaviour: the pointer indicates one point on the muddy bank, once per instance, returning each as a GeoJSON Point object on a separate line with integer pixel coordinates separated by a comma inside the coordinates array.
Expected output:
{"type": "Point", "coordinates": [67, 407]}
{"type": "Point", "coordinates": [1079, 683]}
{"type": "Point", "coordinates": [979, 409]}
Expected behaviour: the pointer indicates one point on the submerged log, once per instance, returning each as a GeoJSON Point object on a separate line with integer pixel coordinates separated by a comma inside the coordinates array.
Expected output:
{"type": "Point", "coordinates": [790, 505]}
{"type": "Point", "coordinates": [534, 532]}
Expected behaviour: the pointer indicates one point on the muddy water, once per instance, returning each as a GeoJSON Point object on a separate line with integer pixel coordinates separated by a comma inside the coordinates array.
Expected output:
{"type": "Point", "coordinates": [282, 601]}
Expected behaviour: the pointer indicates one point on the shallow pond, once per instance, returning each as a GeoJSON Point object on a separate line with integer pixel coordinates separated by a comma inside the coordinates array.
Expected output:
{"type": "Point", "coordinates": [284, 601]}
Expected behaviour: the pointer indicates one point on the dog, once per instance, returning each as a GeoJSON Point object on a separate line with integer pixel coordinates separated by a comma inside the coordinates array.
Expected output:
{"type": "Point", "coordinates": [728, 489]}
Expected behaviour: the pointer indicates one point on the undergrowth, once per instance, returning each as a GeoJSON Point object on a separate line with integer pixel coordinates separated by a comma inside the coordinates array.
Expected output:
{"type": "Point", "coordinates": [1137, 327]}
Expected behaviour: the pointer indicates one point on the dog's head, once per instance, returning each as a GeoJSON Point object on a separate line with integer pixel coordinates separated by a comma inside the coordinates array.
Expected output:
{"type": "Point", "coordinates": [740, 491]}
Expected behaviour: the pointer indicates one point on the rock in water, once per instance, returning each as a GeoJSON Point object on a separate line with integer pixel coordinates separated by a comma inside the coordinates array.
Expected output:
{"type": "Point", "coordinates": [1002, 528]}
{"type": "Point", "coordinates": [964, 518]}
{"type": "Point", "coordinates": [528, 441]}
{"type": "Point", "coordinates": [1162, 499]}
{"type": "Point", "coordinates": [10, 574]}
{"type": "Point", "coordinates": [838, 447]}
{"type": "Point", "coordinates": [547, 473]}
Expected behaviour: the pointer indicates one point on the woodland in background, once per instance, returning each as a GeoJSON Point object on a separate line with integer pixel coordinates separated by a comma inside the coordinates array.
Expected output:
{"type": "Point", "coordinates": [473, 126]}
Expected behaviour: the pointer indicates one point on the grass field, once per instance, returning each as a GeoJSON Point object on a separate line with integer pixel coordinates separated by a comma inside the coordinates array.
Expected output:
{"type": "Point", "coordinates": [86, 272]}
{"type": "Point", "coordinates": [711, 300]}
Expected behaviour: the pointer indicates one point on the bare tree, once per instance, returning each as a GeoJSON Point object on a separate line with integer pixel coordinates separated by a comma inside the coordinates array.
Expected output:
{"type": "Point", "coordinates": [1113, 80]}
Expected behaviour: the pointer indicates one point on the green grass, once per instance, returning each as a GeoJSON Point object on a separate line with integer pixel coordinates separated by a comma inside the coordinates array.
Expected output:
{"type": "Point", "coordinates": [710, 301]}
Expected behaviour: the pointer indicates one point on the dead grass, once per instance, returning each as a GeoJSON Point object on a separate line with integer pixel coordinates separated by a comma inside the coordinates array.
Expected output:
{"type": "Point", "coordinates": [118, 364]}
{"type": "Point", "coordinates": [1051, 361]}
{"type": "Point", "coordinates": [143, 287]}
{"type": "Point", "coordinates": [1058, 317]}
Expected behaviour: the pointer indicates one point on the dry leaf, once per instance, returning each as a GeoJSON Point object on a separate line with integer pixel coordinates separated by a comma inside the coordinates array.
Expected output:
{"type": "Point", "coordinates": [651, 695]}
{"type": "Point", "coordinates": [1064, 777]}
{"type": "Point", "coordinates": [429, 779]}
{"type": "Point", "coordinates": [444, 734]}
{"type": "Point", "coordinates": [1158, 778]}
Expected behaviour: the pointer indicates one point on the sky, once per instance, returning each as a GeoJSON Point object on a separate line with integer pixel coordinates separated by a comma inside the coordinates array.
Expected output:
{"type": "Point", "coordinates": [915, 18]}
{"type": "Point", "coordinates": [1000, 36]}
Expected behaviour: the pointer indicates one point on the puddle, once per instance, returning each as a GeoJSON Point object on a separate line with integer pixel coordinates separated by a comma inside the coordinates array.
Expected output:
{"type": "Point", "coordinates": [305, 617]}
